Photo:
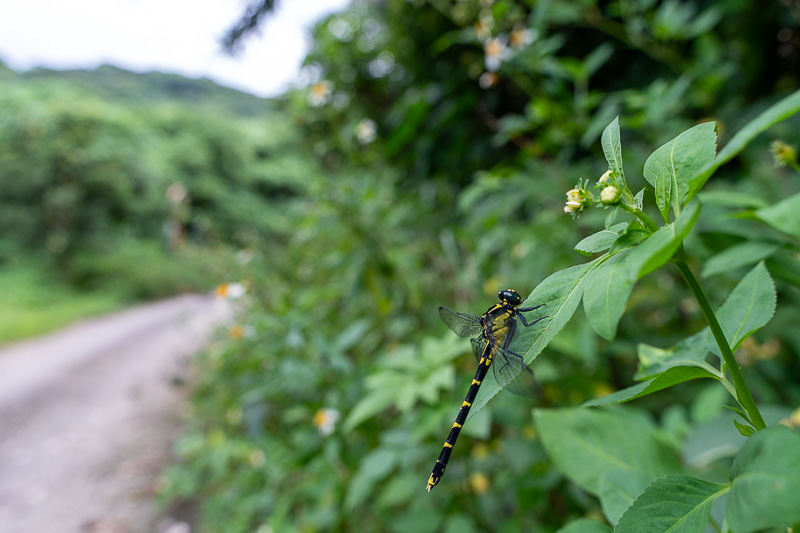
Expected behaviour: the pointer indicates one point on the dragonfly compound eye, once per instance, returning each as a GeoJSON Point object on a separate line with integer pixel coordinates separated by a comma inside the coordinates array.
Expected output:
{"type": "Point", "coordinates": [510, 296]}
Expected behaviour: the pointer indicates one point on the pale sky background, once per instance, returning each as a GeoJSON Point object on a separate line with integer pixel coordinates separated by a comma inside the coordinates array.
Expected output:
{"type": "Point", "coordinates": [176, 36]}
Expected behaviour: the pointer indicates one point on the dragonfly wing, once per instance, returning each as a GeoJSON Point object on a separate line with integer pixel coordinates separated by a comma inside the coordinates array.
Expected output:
{"type": "Point", "coordinates": [463, 324]}
{"type": "Point", "coordinates": [512, 374]}
{"type": "Point", "coordinates": [478, 346]}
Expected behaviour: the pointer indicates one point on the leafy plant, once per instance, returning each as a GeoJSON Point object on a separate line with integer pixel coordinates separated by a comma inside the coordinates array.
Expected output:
{"type": "Point", "coordinates": [640, 483]}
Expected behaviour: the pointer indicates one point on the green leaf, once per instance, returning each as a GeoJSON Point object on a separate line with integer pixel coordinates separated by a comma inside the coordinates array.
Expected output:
{"type": "Point", "coordinates": [612, 148]}
{"type": "Point", "coordinates": [766, 481]}
{"type": "Point", "coordinates": [602, 240]}
{"type": "Point", "coordinates": [585, 525]}
{"type": "Point", "coordinates": [587, 444]}
{"type": "Point", "coordinates": [749, 307]}
{"type": "Point", "coordinates": [737, 256]}
{"type": "Point", "coordinates": [560, 293]}
{"type": "Point", "coordinates": [691, 351]}
{"type": "Point", "coordinates": [783, 216]}
{"type": "Point", "coordinates": [661, 245]}
{"type": "Point", "coordinates": [729, 198]}
{"type": "Point", "coordinates": [774, 114]}
{"type": "Point", "coordinates": [671, 166]}
{"type": "Point", "coordinates": [678, 504]}
{"type": "Point", "coordinates": [618, 490]}
{"type": "Point", "coordinates": [739, 412]}
{"type": "Point", "coordinates": [745, 430]}
{"type": "Point", "coordinates": [668, 378]}
{"type": "Point", "coordinates": [606, 293]}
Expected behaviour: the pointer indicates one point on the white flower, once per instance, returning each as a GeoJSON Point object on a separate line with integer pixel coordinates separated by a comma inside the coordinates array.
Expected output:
{"type": "Point", "coordinates": [488, 80]}
{"type": "Point", "coordinates": [366, 131]}
{"type": "Point", "coordinates": [320, 93]}
{"type": "Point", "coordinates": [231, 291]}
{"type": "Point", "coordinates": [325, 419]}
{"type": "Point", "coordinates": [521, 36]}
{"type": "Point", "coordinates": [496, 52]}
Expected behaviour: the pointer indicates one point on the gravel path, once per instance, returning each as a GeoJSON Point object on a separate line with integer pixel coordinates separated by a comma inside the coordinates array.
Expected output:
{"type": "Point", "coordinates": [88, 416]}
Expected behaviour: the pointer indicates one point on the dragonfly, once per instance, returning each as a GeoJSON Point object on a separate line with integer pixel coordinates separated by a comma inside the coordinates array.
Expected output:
{"type": "Point", "coordinates": [491, 336]}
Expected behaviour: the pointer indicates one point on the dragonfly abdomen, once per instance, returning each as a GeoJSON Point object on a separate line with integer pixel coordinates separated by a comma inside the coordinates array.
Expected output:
{"type": "Point", "coordinates": [444, 455]}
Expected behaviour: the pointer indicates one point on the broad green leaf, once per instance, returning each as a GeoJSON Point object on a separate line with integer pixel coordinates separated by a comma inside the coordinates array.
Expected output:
{"type": "Point", "coordinates": [748, 308]}
{"type": "Point", "coordinates": [587, 444]}
{"type": "Point", "coordinates": [585, 525]}
{"type": "Point", "coordinates": [602, 240]}
{"type": "Point", "coordinates": [783, 216]}
{"type": "Point", "coordinates": [612, 148]}
{"type": "Point", "coordinates": [671, 166]}
{"type": "Point", "coordinates": [610, 284]}
{"type": "Point", "coordinates": [618, 490]}
{"type": "Point", "coordinates": [691, 351]}
{"type": "Point", "coordinates": [729, 198]}
{"type": "Point", "coordinates": [766, 481]}
{"type": "Point", "coordinates": [774, 114]}
{"type": "Point", "coordinates": [560, 293]}
{"type": "Point", "coordinates": [606, 293]}
{"type": "Point", "coordinates": [678, 504]}
{"type": "Point", "coordinates": [661, 245]}
{"type": "Point", "coordinates": [737, 256]}
{"type": "Point", "coordinates": [668, 378]}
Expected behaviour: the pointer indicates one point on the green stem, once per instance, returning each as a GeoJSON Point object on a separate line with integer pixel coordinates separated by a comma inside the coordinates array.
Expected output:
{"type": "Point", "coordinates": [641, 215]}
{"type": "Point", "coordinates": [743, 395]}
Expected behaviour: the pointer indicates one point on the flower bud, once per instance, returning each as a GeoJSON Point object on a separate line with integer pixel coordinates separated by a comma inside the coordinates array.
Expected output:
{"type": "Point", "coordinates": [606, 177]}
{"type": "Point", "coordinates": [609, 195]}
{"type": "Point", "coordinates": [784, 154]}
{"type": "Point", "coordinates": [578, 199]}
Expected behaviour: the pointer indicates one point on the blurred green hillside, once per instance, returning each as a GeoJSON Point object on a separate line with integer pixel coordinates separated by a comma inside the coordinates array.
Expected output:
{"type": "Point", "coordinates": [116, 187]}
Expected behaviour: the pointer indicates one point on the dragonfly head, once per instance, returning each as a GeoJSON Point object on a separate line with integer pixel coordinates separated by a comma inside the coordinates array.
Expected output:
{"type": "Point", "coordinates": [510, 296]}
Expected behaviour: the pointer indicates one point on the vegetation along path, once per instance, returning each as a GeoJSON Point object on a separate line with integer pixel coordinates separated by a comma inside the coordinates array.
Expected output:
{"type": "Point", "coordinates": [87, 417]}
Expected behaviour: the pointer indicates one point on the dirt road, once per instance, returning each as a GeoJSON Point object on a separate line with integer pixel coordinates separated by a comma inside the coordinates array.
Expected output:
{"type": "Point", "coordinates": [88, 416]}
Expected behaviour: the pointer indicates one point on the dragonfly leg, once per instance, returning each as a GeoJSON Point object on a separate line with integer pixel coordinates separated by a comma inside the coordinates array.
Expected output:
{"type": "Point", "coordinates": [525, 322]}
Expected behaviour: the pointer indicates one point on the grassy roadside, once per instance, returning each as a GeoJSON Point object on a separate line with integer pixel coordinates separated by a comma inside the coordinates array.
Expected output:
{"type": "Point", "coordinates": [34, 302]}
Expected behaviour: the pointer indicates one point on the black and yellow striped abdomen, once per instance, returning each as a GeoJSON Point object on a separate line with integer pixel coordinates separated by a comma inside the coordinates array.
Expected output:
{"type": "Point", "coordinates": [444, 456]}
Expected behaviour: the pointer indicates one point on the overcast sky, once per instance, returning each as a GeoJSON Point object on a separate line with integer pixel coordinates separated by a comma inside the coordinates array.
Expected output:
{"type": "Point", "coordinates": [176, 36]}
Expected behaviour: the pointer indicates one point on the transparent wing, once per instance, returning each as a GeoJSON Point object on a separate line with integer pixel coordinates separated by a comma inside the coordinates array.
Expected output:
{"type": "Point", "coordinates": [478, 346]}
{"type": "Point", "coordinates": [512, 374]}
{"type": "Point", "coordinates": [463, 324]}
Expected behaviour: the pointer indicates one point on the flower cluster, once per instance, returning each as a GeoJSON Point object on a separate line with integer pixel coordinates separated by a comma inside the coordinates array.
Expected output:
{"type": "Point", "coordinates": [578, 199]}
{"type": "Point", "coordinates": [499, 48]}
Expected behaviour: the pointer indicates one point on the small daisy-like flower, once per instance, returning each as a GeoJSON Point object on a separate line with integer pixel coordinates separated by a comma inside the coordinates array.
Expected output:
{"type": "Point", "coordinates": [232, 291]}
{"type": "Point", "coordinates": [610, 195]}
{"type": "Point", "coordinates": [176, 193]}
{"type": "Point", "coordinates": [325, 420]}
{"type": "Point", "coordinates": [488, 80]}
{"type": "Point", "coordinates": [483, 28]}
{"type": "Point", "coordinates": [366, 131]}
{"type": "Point", "coordinates": [496, 52]}
{"type": "Point", "coordinates": [520, 36]}
{"type": "Point", "coordinates": [578, 199]}
{"type": "Point", "coordinates": [784, 154]}
{"type": "Point", "coordinates": [320, 93]}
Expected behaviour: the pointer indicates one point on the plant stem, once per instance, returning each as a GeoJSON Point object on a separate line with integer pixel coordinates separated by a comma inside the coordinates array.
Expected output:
{"type": "Point", "coordinates": [641, 215]}
{"type": "Point", "coordinates": [743, 395]}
